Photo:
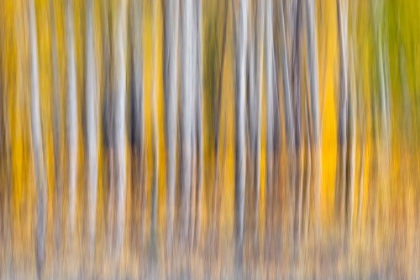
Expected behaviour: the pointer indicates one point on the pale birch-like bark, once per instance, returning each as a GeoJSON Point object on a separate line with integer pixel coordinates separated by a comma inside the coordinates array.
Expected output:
{"type": "Point", "coordinates": [171, 105]}
{"type": "Point", "coordinates": [297, 183]}
{"type": "Point", "coordinates": [240, 121]}
{"type": "Point", "coordinates": [199, 117]}
{"type": "Point", "coordinates": [119, 87]}
{"type": "Point", "coordinates": [272, 120]}
{"type": "Point", "coordinates": [343, 109]}
{"type": "Point", "coordinates": [287, 91]}
{"type": "Point", "coordinates": [155, 125]}
{"type": "Point", "coordinates": [37, 145]}
{"type": "Point", "coordinates": [312, 56]}
{"type": "Point", "coordinates": [188, 87]}
{"type": "Point", "coordinates": [92, 127]}
{"type": "Point", "coordinates": [260, 84]}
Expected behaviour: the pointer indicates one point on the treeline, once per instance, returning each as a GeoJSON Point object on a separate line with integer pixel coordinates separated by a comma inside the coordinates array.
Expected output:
{"type": "Point", "coordinates": [158, 126]}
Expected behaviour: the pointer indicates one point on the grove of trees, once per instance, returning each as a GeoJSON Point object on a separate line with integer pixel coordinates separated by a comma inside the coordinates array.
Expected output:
{"type": "Point", "coordinates": [195, 139]}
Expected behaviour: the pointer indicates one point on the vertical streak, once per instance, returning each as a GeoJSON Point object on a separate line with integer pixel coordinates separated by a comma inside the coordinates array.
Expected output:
{"type": "Point", "coordinates": [240, 122]}
{"type": "Point", "coordinates": [343, 109]}
{"type": "Point", "coordinates": [155, 122]}
{"type": "Point", "coordinates": [286, 81]}
{"type": "Point", "coordinates": [137, 116]}
{"type": "Point", "coordinates": [91, 93]}
{"type": "Point", "coordinates": [272, 118]}
{"type": "Point", "coordinates": [312, 49]}
{"type": "Point", "coordinates": [56, 129]}
{"type": "Point", "coordinates": [119, 63]}
{"type": "Point", "coordinates": [188, 88]}
{"type": "Point", "coordinates": [41, 182]}
{"type": "Point", "coordinates": [297, 107]}
{"type": "Point", "coordinates": [71, 127]}
{"type": "Point", "coordinates": [259, 100]}
{"type": "Point", "coordinates": [199, 116]}
{"type": "Point", "coordinates": [171, 98]}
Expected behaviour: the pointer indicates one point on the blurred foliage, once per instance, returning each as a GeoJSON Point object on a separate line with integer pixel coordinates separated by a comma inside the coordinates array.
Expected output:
{"type": "Point", "coordinates": [386, 230]}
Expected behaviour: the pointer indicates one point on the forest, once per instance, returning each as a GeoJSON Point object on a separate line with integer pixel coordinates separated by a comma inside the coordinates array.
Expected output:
{"type": "Point", "coordinates": [209, 139]}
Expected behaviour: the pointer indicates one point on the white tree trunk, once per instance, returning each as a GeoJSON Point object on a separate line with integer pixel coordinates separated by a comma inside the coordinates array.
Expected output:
{"type": "Point", "coordinates": [188, 86]}
{"type": "Point", "coordinates": [272, 118]}
{"type": "Point", "coordinates": [240, 122]}
{"type": "Point", "coordinates": [199, 118]}
{"type": "Point", "coordinates": [312, 49]}
{"type": "Point", "coordinates": [155, 123]}
{"type": "Point", "coordinates": [92, 128]}
{"type": "Point", "coordinates": [343, 111]}
{"type": "Point", "coordinates": [37, 145]}
{"type": "Point", "coordinates": [288, 110]}
{"type": "Point", "coordinates": [119, 64]}
{"type": "Point", "coordinates": [171, 98]}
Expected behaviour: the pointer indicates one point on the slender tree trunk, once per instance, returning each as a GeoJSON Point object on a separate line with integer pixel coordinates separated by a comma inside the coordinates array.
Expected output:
{"type": "Point", "coordinates": [287, 95]}
{"type": "Point", "coordinates": [199, 123]}
{"type": "Point", "coordinates": [384, 146]}
{"type": "Point", "coordinates": [92, 128]}
{"type": "Point", "coordinates": [352, 142]}
{"type": "Point", "coordinates": [71, 120]}
{"type": "Point", "coordinates": [171, 102]}
{"type": "Point", "coordinates": [343, 111]}
{"type": "Point", "coordinates": [107, 119]}
{"type": "Point", "coordinates": [156, 150]}
{"type": "Point", "coordinates": [312, 55]}
{"type": "Point", "coordinates": [57, 140]}
{"type": "Point", "coordinates": [240, 124]}
{"type": "Point", "coordinates": [137, 118]}
{"type": "Point", "coordinates": [272, 117]}
{"type": "Point", "coordinates": [119, 64]}
{"type": "Point", "coordinates": [188, 86]}
{"type": "Point", "coordinates": [297, 109]}
{"type": "Point", "coordinates": [256, 64]}
{"type": "Point", "coordinates": [37, 145]}
{"type": "Point", "coordinates": [307, 171]}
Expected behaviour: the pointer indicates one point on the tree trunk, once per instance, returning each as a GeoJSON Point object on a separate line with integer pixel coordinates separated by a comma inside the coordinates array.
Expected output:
{"type": "Point", "coordinates": [288, 110]}
{"type": "Point", "coordinates": [297, 181]}
{"type": "Point", "coordinates": [37, 144]}
{"type": "Point", "coordinates": [256, 63]}
{"type": "Point", "coordinates": [119, 68]}
{"type": "Point", "coordinates": [156, 141]}
{"type": "Point", "coordinates": [137, 120]}
{"type": "Point", "coordinates": [171, 102]}
{"type": "Point", "coordinates": [199, 123]}
{"type": "Point", "coordinates": [92, 128]}
{"type": "Point", "coordinates": [188, 87]}
{"type": "Point", "coordinates": [71, 120]}
{"type": "Point", "coordinates": [57, 126]}
{"type": "Point", "coordinates": [273, 122]}
{"type": "Point", "coordinates": [312, 55]}
{"type": "Point", "coordinates": [343, 111]}
{"type": "Point", "coordinates": [240, 123]}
